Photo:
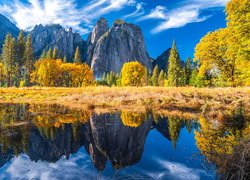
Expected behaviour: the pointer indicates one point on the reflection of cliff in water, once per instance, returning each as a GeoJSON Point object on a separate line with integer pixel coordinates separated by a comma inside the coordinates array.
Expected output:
{"type": "Point", "coordinates": [122, 145]}
{"type": "Point", "coordinates": [54, 131]}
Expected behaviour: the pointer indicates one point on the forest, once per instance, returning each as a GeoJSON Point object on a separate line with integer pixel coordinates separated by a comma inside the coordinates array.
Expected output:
{"type": "Point", "coordinates": [221, 59]}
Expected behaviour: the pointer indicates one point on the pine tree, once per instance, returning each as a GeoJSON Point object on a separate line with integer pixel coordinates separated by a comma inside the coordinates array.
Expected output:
{"type": "Point", "coordinates": [146, 79]}
{"type": "Point", "coordinates": [28, 58]}
{"type": "Point", "coordinates": [174, 67]}
{"type": "Point", "coordinates": [187, 70]}
{"type": "Point", "coordinates": [43, 55]}
{"type": "Point", "coordinates": [65, 59]}
{"type": "Point", "coordinates": [20, 50]}
{"type": "Point", "coordinates": [49, 54]}
{"type": "Point", "coordinates": [77, 58]}
{"type": "Point", "coordinates": [155, 76]}
{"type": "Point", "coordinates": [21, 47]}
{"type": "Point", "coordinates": [8, 58]}
{"type": "Point", "coordinates": [55, 53]}
{"type": "Point", "coordinates": [161, 78]}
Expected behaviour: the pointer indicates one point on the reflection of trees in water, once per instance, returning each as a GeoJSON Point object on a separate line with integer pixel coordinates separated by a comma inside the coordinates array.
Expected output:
{"type": "Point", "coordinates": [56, 131]}
{"type": "Point", "coordinates": [217, 141]}
{"type": "Point", "coordinates": [133, 119]}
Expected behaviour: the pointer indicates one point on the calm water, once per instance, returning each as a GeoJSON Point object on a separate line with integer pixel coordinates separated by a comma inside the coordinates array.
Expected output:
{"type": "Point", "coordinates": [53, 142]}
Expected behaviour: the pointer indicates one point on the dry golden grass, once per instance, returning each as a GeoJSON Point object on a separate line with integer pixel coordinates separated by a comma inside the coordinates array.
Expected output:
{"type": "Point", "coordinates": [133, 98]}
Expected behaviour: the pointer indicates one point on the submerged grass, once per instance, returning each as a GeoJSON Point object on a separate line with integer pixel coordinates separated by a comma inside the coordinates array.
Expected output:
{"type": "Point", "coordinates": [117, 98]}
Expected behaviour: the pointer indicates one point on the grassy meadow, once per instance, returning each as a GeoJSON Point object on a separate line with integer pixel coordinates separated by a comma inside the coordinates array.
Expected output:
{"type": "Point", "coordinates": [159, 99]}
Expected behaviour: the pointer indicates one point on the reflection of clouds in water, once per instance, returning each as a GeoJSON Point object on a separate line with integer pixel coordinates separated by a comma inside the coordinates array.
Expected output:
{"type": "Point", "coordinates": [180, 171]}
{"type": "Point", "coordinates": [78, 166]}
{"type": "Point", "coordinates": [170, 170]}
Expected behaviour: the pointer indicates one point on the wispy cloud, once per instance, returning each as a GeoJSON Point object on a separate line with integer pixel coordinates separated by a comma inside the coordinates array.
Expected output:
{"type": "Point", "coordinates": [138, 12]}
{"type": "Point", "coordinates": [187, 12]}
{"type": "Point", "coordinates": [65, 12]}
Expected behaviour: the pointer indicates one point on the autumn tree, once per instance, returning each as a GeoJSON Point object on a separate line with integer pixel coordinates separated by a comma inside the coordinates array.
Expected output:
{"type": "Point", "coordinates": [1, 74]}
{"type": "Point", "coordinates": [132, 74]}
{"type": "Point", "coordinates": [155, 76]}
{"type": "Point", "coordinates": [174, 67]}
{"type": "Point", "coordinates": [224, 53]}
{"type": "Point", "coordinates": [77, 57]}
{"type": "Point", "coordinates": [55, 73]}
{"type": "Point", "coordinates": [47, 72]}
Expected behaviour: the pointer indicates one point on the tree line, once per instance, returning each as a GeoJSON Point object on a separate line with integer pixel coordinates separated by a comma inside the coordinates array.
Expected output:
{"type": "Point", "coordinates": [222, 58]}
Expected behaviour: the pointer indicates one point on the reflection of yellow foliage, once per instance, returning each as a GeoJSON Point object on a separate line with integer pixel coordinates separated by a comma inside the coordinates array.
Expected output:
{"type": "Point", "coordinates": [55, 116]}
{"type": "Point", "coordinates": [212, 140]}
{"type": "Point", "coordinates": [132, 119]}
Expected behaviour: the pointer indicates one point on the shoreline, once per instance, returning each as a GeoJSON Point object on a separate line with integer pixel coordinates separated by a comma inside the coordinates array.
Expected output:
{"type": "Point", "coordinates": [100, 98]}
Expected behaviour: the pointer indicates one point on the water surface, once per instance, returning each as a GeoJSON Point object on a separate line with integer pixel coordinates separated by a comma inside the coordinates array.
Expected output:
{"type": "Point", "coordinates": [53, 142]}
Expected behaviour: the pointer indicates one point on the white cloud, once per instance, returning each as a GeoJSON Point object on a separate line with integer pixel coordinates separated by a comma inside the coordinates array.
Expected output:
{"type": "Point", "coordinates": [180, 18]}
{"type": "Point", "coordinates": [187, 12]}
{"type": "Point", "coordinates": [157, 13]}
{"type": "Point", "coordinates": [138, 12]}
{"type": "Point", "coordinates": [64, 12]}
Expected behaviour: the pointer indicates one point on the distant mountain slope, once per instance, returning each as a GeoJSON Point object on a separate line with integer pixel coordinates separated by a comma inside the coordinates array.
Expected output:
{"type": "Point", "coordinates": [55, 36]}
{"type": "Point", "coordinates": [6, 26]}
{"type": "Point", "coordinates": [162, 60]}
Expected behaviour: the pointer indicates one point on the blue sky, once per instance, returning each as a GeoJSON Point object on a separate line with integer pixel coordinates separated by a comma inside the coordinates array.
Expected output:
{"type": "Point", "coordinates": [161, 21]}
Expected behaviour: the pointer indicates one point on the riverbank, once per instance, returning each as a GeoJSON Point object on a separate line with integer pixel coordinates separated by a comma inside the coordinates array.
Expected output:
{"type": "Point", "coordinates": [132, 98]}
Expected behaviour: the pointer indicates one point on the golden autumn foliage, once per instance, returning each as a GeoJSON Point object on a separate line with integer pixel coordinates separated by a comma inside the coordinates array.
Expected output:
{"type": "Point", "coordinates": [225, 53]}
{"type": "Point", "coordinates": [215, 139]}
{"type": "Point", "coordinates": [133, 119]}
{"type": "Point", "coordinates": [133, 74]}
{"type": "Point", "coordinates": [54, 73]}
{"type": "Point", "coordinates": [1, 74]}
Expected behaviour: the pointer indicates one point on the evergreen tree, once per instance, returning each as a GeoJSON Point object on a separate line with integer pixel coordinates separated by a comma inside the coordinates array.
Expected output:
{"type": "Point", "coordinates": [174, 67]}
{"type": "Point", "coordinates": [146, 83]}
{"type": "Point", "coordinates": [65, 59]}
{"type": "Point", "coordinates": [28, 58]}
{"type": "Point", "coordinates": [55, 53]}
{"type": "Point", "coordinates": [49, 54]}
{"type": "Point", "coordinates": [20, 50]}
{"type": "Point", "coordinates": [161, 78]}
{"type": "Point", "coordinates": [155, 75]}
{"type": "Point", "coordinates": [43, 55]}
{"type": "Point", "coordinates": [77, 57]}
{"type": "Point", "coordinates": [187, 71]}
{"type": "Point", "coordinates": [21, 47]}
{"type": "Point", "coordinates": [8, 58]}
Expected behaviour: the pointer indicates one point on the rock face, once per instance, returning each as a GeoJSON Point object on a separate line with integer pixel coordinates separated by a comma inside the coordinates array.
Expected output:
{"type": "Point", "coordinates": [109, 49]}
{"type": "Point", "coordinates": [162, 60]}
{"type": "Point", "coordinates": [6, 26]}
{"type": "Point", "coordinates": [100, 29]}
{"type": "Point", "coordinates": [55, 36]}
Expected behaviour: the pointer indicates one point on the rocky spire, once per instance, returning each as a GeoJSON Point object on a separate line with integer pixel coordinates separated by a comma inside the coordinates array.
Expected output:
{"type": "Point", "coordinates": [100, 28]}
{"type": "Point", "coordinates": [122, 43]}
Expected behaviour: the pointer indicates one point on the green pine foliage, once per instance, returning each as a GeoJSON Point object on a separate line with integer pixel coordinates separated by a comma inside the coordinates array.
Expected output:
{"type": "Point", "coordinates": [155, 76]}
{"type": "Point", "coordinates": [77, 57]}
{"type": "Point", "coordinates": [174, 67]}
{"type": "Point", "coordinates": [28, 59]}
